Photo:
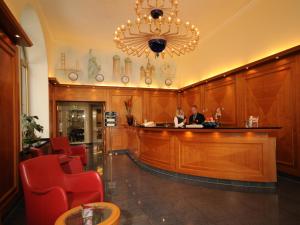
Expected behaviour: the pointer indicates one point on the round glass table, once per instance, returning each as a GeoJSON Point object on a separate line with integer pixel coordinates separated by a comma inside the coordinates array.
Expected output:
{"type": "Point", "coordinates": [104, 213]}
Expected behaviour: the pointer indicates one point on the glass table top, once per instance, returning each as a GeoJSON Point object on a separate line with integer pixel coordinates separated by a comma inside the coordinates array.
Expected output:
{"type": "Point", "coordinates": [100, 214]}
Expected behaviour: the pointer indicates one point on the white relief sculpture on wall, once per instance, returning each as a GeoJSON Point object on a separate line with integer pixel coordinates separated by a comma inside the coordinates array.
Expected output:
{"type": "Point", "coordinates": [69, 73]}
{"type": "Point", "coordinates": [147, 73]}
{"type": "Point", "coordinates": [116, 67]}
{"type": "Point", "coordinates": [94, 68]}
{"type": "Point", "coordinates": [168, 72]}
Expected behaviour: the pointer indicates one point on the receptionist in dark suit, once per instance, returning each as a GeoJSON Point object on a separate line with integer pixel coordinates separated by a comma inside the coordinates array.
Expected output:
{"type": "Point", "coordinates": [196, 117]}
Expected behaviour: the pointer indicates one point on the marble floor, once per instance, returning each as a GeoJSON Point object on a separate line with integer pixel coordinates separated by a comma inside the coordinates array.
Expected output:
{"type": "Point", "coordinates": [152, 199]}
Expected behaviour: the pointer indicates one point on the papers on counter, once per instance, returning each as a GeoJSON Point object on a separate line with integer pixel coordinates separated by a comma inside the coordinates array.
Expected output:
{"type": "Point", "coordinates": [194, 126]}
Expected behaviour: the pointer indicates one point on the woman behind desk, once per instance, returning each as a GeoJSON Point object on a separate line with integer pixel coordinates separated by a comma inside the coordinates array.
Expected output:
{"type": "Point", "coordinates": [179, 119]}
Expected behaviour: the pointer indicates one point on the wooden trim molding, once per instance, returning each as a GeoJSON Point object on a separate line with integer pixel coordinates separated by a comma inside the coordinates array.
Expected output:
{"type": "Point", "coordinates": [11, 27]}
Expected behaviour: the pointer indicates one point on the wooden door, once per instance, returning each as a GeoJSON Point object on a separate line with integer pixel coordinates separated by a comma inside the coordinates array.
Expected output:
{"type": "Point", "coordinates": [9, 121]}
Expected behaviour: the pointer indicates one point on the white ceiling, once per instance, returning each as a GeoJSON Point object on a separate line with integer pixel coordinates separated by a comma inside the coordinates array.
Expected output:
{"type": "Point", "coordinates": [94, 21]}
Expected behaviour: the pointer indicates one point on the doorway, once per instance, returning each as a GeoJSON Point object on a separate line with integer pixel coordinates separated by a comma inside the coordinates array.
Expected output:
{"type": "Point", "coordinates": [81, 122]}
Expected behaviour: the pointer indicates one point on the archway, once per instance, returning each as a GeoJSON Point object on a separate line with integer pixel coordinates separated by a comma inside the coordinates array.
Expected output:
{"type": "Point", "coordinates": [38, 68]}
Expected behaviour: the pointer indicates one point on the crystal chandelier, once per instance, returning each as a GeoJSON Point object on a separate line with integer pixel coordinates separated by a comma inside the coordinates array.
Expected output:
{"type": "Point", "coordinates": [157, 29]}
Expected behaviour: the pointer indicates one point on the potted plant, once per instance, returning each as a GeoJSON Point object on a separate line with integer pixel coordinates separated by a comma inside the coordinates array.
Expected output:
{"type": "Point", "coordinates": [128, 106]}
{"type": "Point", "coordinates": [29, 129]}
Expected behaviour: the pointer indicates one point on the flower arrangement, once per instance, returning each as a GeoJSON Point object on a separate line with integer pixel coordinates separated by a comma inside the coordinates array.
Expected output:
{"type": "Point", "coordinates": [218, 113]}
{"type": "Point", "coordinates": [128, 107]}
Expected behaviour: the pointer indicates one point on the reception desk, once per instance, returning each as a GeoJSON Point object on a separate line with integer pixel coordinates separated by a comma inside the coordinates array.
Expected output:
{"type": "Point", "coordinates": [238, 154]}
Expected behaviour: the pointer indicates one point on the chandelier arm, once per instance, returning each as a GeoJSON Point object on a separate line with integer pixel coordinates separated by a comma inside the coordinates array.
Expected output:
{"type": "Point", "coordinates": [142, 50]}
{"type": "Point", "coordinates": [137, 35]}
{"type": "Point", "coordinates": [181, 42]}
{"type": "Point", "coordinates": [167, 32]}
{"type": "Point", "coordinates": [176, 48]}
{"type": "Point", "coordinates": [134, 40]}
{"type": "Point", "coordinates": [169, 53]}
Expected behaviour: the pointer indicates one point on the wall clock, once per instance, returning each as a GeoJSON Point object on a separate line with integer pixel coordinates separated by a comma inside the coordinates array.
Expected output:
{"type": "Point", "coordinates": [125, 79]}
{"type": "Point", "coordinates": [99, 77]}
{"type": "Point", "coordinates": [148, 80]}
{"type": "Point", "coordinates": [73, 76]}
{"type": "Point", "coordinates": [168, 82]}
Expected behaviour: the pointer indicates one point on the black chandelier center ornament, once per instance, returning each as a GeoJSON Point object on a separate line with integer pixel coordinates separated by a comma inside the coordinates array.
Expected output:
{"type": "Point", "coordinates": [156, 13]}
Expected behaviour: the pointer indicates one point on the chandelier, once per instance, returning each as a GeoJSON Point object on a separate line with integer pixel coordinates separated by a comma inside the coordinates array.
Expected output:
{"type": "Point", "coordinates": [157, 29]}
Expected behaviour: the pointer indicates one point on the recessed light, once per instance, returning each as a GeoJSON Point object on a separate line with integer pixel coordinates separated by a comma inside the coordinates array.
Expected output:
{"type": "Point", "coordinates": [17, 36]}
{"type": "Point", "coordinates": [277, 57]}
{"type": "Point", "coordinates": [224, 75]}
{"type": "Point", "coordinates": [247, 68]}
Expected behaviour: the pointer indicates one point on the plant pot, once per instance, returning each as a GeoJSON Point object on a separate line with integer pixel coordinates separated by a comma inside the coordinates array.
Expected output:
{"type": "Point", "coordinates": [129, 120]}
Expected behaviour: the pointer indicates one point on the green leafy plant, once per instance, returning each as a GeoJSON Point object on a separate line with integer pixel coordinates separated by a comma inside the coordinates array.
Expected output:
{"type": "Point", "coordinates": [29, 129]}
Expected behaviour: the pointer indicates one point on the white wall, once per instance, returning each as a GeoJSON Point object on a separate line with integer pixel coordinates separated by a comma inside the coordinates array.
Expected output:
{"type": "Point", "coordinates": [38, 68]}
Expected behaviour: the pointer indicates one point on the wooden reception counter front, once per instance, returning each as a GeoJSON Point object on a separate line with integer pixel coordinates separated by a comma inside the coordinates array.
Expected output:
{"type": "Point", "coordinates": [238, 154]}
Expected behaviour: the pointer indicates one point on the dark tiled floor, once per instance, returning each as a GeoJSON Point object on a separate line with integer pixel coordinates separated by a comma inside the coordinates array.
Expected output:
{"type": "Point", "coordinates": [149, 199]}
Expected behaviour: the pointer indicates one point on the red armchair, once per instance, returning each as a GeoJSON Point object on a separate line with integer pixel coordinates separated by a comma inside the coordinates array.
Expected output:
{"type": "Point", "coordinates": [68, 164]}
{"type": "Point", "coordinates": [61, 145]}
{"type": "Point", "coordinates": [49, 192]}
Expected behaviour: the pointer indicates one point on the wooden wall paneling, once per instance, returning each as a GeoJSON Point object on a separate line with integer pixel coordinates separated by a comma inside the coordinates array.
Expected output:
{"type": "Point", "coordinates": [158, 150]}
{"type": "Point", "coordinates": [10, 122]}
{"type": "Point", "coordinates": [296, 82]}
{"type": "Point", "coordinates": [133, 141]}
{"type": "Point", "coordinates": [117, 98]}
{"type": "Point", "coordinates": [80, 93]}
{"type": "Point", "coordinates": [236, 157]}
{"type": "Point", "coordinates": [52, 110]}
{"type": "Point", "coordinates": [270, 94]}
{"type": "Point", "coordinates": [240, 89]}
{"type": "Point", "coordinates": [191, 97]}
{"type": "Point", "coordinates": [161, 106]}
{"type": "Point", "coordinates": [221, 93]}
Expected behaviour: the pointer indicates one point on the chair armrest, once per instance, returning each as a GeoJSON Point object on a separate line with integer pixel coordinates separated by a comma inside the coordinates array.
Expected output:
{"type": "Point", "coordinates": [48, 203]}
{"type": "Point", "coordinates": [84, 182]}
{"type": "Point", "coordinates": [54, 194]}
{"type": "Point", "coordinates": [56, 190]}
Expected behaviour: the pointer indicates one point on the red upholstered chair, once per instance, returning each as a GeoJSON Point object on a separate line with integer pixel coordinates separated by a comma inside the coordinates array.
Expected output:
{"type": "Point", "coordinates": [68, 164]}
{"type": "Point", "coordinates": [71, 164]}
{"type": "Point", "coordinates": [49, 192]}
{"type": "Point", "coordinates": [61, 145]}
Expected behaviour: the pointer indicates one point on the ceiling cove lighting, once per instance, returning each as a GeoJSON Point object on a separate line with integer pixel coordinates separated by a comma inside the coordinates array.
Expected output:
{"type": "Point", "coordinates": [158, 29]}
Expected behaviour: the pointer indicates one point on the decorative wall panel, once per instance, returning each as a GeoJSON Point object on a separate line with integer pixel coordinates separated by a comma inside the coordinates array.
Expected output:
{"type": "Point", "coordinates": [221, 94]}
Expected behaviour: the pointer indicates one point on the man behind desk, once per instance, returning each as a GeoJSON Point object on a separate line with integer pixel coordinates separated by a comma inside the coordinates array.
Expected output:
{"type": "Point", "coordinates": [196, 117]}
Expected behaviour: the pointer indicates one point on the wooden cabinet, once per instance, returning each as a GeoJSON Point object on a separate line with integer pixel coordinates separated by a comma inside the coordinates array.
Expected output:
{"type": "Point", "coordinates": [9, 122]}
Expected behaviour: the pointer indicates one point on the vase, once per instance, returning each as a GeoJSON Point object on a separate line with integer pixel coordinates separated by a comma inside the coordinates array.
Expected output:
{"type": "Point", "coordinates": [129, 120]}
